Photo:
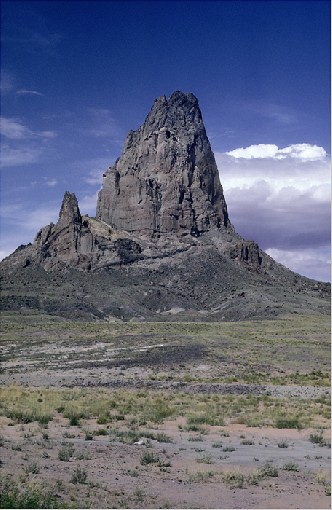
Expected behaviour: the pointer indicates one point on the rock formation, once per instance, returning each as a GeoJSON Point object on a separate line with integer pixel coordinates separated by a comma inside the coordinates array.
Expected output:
{"type": "Point", "coordinates": [162, 244]}
{"type": "Point", "coordinates": [166, 180]}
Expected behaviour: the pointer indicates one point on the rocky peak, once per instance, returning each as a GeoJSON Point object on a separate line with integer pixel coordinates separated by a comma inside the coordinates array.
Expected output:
{"type": "Point", "coordinates": [69, 212]}
{"type": "Point", "coordinates": [166, 180]}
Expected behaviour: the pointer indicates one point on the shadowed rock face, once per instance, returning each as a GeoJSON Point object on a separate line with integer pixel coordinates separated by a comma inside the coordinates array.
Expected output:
{"type": "Point", "coordinates": [166, 180]}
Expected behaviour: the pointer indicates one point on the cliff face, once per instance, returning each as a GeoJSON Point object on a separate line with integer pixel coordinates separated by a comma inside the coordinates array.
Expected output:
{"type": "Point", "coordinates": [166, 180]}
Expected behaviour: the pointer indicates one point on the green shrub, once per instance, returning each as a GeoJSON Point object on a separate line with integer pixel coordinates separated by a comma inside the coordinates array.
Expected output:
{"type": "Point", "coordinates": [32, 468]}
{"type": "Point", "coordinates": [287, 423]}
{"type": "Point", "coordinates": [317, 439]}
{"type": "Point", "coordinates": [101, 432]}
{"type": "Point", "coordinates": [206, 459]}
{"type": "Point", "coordinates": [201, 476]}
{"type": "Point", "coordinates": [234, 479]}
{"type": "Point", "coordinates": [268, 470]}
{"type": "Point", "coordinates": [19, 495]}
{"type": "Point", "coordinates": [149, 458]}
{"type": "Point", "coordinates": [161, 437]}
{"type": "Point", "coordinates": [66, 452]}
{"type": "Point", "coordinates": [79, 476]}
{"type": "Point", "coordinates": [290, 466]}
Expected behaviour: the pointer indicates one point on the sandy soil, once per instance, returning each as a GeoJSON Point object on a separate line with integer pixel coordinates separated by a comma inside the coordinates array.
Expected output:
{"type": "Point", "coordinates": [189, 473]}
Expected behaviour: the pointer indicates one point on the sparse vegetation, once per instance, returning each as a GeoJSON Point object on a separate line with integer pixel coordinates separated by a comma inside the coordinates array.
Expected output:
{"type": "Point", "coordinates": [16, 494]}
{"type": "Point", "coordinates": [247, 442]}
{"type": "Point", "coordinates": [32, 468]}
{"type": "Point", "coordinates": [318, 439]}
{"type": "Point", "coordinates": [206, 459]}
{"type": "Point", "coordinates": [268, 470]}
{"type": "Point", "coordinates": [290, 466]}
{"type": "Point", "coordinates": [79, 475]}
{"type": "Point", "coordinates": [234, 479]}
{"type": "Point", "coordinates": [149, 458]}
{"type": "Point", "coordinates": [324, 480]}
{"type": "Point", "coordinates": [130, 414]}
{"type": "Point", "coordinates": [66, 452]}
{"type": "Point", "coordinates": [201, 476]}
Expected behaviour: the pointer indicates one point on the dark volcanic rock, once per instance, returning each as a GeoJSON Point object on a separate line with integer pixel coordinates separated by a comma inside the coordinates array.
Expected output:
{"type": "Point", "coordinates": [162, 246]}
{"type": "Point", "coordinates": [166, 180]}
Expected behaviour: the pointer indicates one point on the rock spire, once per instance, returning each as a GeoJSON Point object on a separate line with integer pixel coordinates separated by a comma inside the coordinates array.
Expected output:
{"type": "Point", "coordinates": [166, 180]}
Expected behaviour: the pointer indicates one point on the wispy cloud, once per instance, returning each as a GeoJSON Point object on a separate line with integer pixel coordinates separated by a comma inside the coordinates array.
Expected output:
{"type": "Point", "coordinates": [102, 123]}
{"type": "Point", "coordinates": [280, 114]}
{"type": "Point", "coordinates": [14, 129]}
{"type": "Point", "coordinates": [31, 40]}
{"type": "Point", "coordinates": [51, 182]}
{"type": "Point", "coordinates": [10, 157]}
{"type": "Point", "coordinates": [25, 92]}
{"type": "Point", "coordinates": [22, 144]}
{"type": "Point", "coordinates": [7, 82]}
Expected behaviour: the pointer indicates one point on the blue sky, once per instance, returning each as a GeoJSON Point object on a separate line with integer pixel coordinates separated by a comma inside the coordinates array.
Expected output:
{"type": "Point", "coordinates": [77, 76]}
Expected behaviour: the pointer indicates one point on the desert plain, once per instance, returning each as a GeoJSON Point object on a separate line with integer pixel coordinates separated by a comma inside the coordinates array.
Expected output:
{"type": "Point", "coordinates": [98, 414]}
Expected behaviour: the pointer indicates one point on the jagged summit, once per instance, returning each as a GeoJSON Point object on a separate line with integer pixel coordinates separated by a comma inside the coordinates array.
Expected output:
{"type": "Point", "coordinates": [69, 211]}
{"type": "Point", "coordinates": [166, 180]}
{"type": "Point", "coordinates": [162, 246]}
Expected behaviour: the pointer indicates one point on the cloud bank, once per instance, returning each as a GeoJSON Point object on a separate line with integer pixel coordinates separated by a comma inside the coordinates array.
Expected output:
{"type": "Point", "coordinates": [280, 197]}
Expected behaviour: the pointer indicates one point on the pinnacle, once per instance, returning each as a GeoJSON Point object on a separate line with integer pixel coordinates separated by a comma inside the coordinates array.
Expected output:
{"type": "Point", "coordinates": [69, 212]}
{"type": "Point", "coordinates": [166, 180]}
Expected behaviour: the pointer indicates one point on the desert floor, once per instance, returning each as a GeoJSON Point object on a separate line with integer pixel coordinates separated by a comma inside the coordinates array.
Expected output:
{"type": "Point", "coordinates": [165, 415]}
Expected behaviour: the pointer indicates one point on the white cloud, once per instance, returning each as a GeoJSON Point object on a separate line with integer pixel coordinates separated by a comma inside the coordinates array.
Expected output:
{"type": "Point", "coordinates": [47, 134]}
{"type": "Point", "coordinates": [14, 129]}
{"type": "Point", "coordinates": [310, 261]}
{"type": "Point", "coordinates": [301, 151]}
{"type": "Point", "coordinates": [23, 145]}
{"type": "Point", "coordinates": [51, 183]}
{"type": "Point", "coordinates": [10, 157]}
{"type": "Point", "coordinates": [281, 199]}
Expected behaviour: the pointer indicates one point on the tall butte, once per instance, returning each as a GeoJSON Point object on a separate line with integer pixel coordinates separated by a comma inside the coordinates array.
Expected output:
{"type": "Point", "coordinates": [166, 180]}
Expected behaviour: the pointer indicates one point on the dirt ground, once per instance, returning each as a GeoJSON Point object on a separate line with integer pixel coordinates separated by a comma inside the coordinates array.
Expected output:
{"type": "Point", "coordinates": [167, 463]}
{"type": "Point", "coordinates": [188, 474]}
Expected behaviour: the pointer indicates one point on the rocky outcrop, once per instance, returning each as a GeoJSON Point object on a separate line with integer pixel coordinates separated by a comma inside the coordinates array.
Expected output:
{"type": "Point", "coordinates": [162, 244]}
{"type": "Point", "coordinates": [166, 180]}
{"type": "Point", "coordinates": [82, 242]}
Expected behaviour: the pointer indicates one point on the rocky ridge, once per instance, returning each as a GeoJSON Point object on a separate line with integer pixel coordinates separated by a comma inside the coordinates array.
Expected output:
{"type": "Point", "coordinates": [161, 245]}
